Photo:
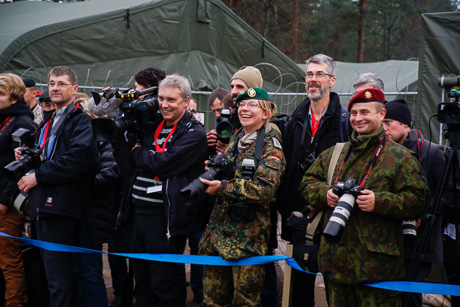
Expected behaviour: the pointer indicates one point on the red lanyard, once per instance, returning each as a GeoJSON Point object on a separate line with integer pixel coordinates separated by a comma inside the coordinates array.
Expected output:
{"type": "Point", "coordinates": [157, 133]}
{"type": "Point", "coordinates": [6, 123]}
{"type": "Point", "coordinates": [45, 134]}
{"type": "Point", "coordinates": [314, 124]}
{"type": "Point", "coordinates": [378, 152]}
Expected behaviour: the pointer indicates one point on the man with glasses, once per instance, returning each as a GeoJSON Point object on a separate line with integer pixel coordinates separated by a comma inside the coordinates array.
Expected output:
{"type": "Point", "coordinates": [318, 123]}
{"type": "Point", "coordinates": [58, 188]}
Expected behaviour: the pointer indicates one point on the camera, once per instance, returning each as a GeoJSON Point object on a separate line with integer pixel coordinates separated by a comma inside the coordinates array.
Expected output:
{"type": "Point", "coordinates": [409, 229]}
{"type": "Point", "coordinates": [239, 211]}
{"type": "Point", "coordinates": [305, 164]}
{"type": "Point", "coordinates": [134, 115]}
{"type": "Point", "coordinates": [347, 192]}
{"type": "Point", "coordinates": [224, 128]}
{"type": "Point", "coordinates": [220, 167]}
{"type": "Point", "coordinates": [449, 112]}
{"type": "Point", "coordinates": [31, 155]}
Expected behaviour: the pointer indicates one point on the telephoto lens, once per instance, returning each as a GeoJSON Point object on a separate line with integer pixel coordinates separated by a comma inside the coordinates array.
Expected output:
{"type": "Point", "coordinates": [348, 192]}
{"type": "Point", "coordinates": [409, 229]}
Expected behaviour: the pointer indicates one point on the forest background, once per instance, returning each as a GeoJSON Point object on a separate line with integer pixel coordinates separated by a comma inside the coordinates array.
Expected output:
{"type": "Point", "coordinates": [347, 30]}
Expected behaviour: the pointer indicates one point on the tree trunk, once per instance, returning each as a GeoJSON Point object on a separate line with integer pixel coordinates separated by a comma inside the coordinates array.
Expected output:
{"type": "Point", "coordinates": [294, 30]}
{"type": "Point", "coordinates": [362, 18]}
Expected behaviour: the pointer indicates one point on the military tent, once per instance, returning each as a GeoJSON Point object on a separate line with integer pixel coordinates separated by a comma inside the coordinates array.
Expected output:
{"type": "Point", "coordinates": [439, 69]}
{"type": "Point", "coordinates": [108, 41]}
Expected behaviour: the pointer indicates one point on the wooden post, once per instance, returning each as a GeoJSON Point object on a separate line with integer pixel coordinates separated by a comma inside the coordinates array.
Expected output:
{"type": "Point", "coordinates": [287, 289]}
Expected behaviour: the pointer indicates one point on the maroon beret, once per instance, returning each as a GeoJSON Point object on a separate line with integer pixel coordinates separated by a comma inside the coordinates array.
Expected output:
{"type": "Point", "coordinates": [367, 95]}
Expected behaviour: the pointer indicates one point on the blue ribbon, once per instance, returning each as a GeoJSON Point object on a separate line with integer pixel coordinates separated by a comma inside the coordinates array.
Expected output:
{"type": "Point", "coordinates": [403, 286]}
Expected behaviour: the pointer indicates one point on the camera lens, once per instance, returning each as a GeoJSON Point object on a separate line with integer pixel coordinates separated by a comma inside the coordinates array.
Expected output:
{"type": "Point", "coordinates": [237, 211]}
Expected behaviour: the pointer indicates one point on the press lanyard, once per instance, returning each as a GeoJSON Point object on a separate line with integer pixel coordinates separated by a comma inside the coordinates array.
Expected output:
{"type": "Point", "coordinates": [157, 133]}
{"type": "Point", "coordinates": [46, 133]}
{"type": "Point", "coordinates": [6, 123]}
{"type": "Point", "coordinates": [378, 152]}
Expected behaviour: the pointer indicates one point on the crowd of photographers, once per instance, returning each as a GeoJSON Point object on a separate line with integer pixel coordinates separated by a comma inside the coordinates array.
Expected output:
{"type": "Point", "coordinates": [137, 170]}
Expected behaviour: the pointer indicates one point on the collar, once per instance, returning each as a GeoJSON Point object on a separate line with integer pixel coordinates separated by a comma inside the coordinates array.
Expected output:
{"type": "Point", "coordinates": [363, 141]}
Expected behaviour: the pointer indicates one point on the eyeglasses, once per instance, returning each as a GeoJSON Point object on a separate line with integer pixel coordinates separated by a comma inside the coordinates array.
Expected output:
{"type": "Point", "coordinates": [192, 111]}
{"type": "Point", "coordinates": [252, 104]}
{"type": "Point", "coordinates": [59, 84]}
{"type": "Point", "coordinates": [319, 75]}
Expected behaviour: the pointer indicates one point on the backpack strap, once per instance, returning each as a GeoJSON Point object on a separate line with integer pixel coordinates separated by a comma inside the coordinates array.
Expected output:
{"type": "Point", "coordinates": [311, 227]}
{"type": "Point", "coordinates": [343, 125]}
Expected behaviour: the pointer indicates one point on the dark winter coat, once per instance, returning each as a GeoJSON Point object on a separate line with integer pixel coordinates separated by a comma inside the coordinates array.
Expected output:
{"type": "Point", "coordinates": [101, 203]}
{"type": "Point", "coordinates": [66, 178]}
{"type": "Point", "coordinates": [431, 157]}
{"type": "Point", "coordinates": [24, 118]}
{"type": "Point", "coordinates": [328, 134]}
{"type": "Point", "coordinates": [177, 167]}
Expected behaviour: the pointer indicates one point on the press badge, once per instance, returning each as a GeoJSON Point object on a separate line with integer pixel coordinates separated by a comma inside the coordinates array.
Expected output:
{"type": "Point", "coordinates": [154, 189]}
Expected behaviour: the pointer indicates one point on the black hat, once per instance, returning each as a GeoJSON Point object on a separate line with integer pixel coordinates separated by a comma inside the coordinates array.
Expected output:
{"type": "Point", "coordinates": [28, 82]}
{"type": "Point", "coordinates": [398, 110]}
{"type": "Point", "coordinates": [45, 97]}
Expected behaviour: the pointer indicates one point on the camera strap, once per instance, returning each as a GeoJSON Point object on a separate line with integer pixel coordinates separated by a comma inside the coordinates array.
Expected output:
{"type": "Point", "coordinates": [378, 152]}
{"type": "Point", "coordinates": [259, 144]}
{"type": "Point", "coordinates": [6, 123]}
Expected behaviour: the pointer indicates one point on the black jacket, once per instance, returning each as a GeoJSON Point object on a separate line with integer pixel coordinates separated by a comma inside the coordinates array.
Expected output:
{"type": "Point", "coordinates": [177, 167]}
{"type": "Point", "coordinates": [329, 133]}
{"type": "Point", "coordinates": [431, 157]}
{"type": "Point", "coordinates": [24, 118]}
{"type": "Point", "coordinates": [101, 203]}
{"type": "Point", "coordinates": [65, 180]}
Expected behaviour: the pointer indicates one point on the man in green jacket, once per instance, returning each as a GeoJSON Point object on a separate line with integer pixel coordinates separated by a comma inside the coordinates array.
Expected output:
{"type": "Point", "coordinates": [369, 247]}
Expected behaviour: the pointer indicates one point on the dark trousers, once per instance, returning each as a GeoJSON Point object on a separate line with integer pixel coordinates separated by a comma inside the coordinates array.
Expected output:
{"type": "Point", "coordinates": [303, 292]}
{"type": "Point", "coordinates": [88, 270]}
{"type": "Point", "coordinates": [120, 269]}
{"type": "Point", "coordinates": [157, 283]}
{"type": "Point", "coordinates": [415, 299]}
{"type": "Point", "coordinates": [196, 271]}
{"type": "Point", "coordinates": [58, 266]}
{"type": "Point", "coordinates": [452, 265]}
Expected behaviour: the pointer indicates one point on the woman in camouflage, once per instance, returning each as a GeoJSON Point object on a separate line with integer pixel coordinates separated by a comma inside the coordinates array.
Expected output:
{"type": "Point", "coordinates": [239, 226]}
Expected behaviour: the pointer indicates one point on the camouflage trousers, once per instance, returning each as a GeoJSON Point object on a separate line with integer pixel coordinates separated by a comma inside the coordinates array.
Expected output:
{"type": "Point", "coordinates": [233, 286]}
{"type": "Point", "coordinates": [360, 295]}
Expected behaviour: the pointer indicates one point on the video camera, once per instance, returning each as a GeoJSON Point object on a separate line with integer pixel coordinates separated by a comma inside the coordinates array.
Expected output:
{"type": "Point", "coordinates": [449, 112]}
{"type": "Point", "coordinates": [135, 109]}
{"type": "Point", "coordinates": [31, 155]}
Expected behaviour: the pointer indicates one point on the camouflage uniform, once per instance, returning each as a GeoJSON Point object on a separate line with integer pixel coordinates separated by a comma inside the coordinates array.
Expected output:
{"type": "Point", "coordinates": [371, 246]}
{"type": "Point", "coordinates": [241, 286]}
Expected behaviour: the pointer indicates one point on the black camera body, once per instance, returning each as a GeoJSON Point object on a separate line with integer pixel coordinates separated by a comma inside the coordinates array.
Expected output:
{"type": "Point", "coordinates": [224, 128]}
{"type": "Point", "coordinates": [305, 163]}
{"type": "Point", "coordinates": [31, 155]}
{"type": "Point", "coordinates": [348, 191]}
{"type": "Point", "coordinates": [240, 211]}
{"type": "Point", "coordinates": [220, 167]}
{"type": "Point", "coordinates": [134, 115]}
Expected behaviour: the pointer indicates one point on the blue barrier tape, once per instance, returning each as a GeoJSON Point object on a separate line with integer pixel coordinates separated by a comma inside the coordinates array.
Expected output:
{"type": "Point", "coordinates": [403, 286]}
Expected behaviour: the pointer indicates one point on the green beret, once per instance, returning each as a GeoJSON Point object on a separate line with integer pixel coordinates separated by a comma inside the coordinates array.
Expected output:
{"type": "Point", "coordinates": [253, 93]}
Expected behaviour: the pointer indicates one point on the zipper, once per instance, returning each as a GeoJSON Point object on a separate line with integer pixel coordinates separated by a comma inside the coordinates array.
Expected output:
{"type": "Point", "coordinates": [168, 233]}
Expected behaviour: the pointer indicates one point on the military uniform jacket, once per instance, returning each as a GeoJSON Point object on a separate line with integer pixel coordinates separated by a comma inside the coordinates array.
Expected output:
{"type": "Point", "coordinates": [371, 246]}
{"type": "Point", "coordinates": [233, 240]}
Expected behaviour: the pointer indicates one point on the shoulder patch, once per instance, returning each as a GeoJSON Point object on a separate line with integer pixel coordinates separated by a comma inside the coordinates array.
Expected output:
{"type": "Point", "coordinates": [277, 143]}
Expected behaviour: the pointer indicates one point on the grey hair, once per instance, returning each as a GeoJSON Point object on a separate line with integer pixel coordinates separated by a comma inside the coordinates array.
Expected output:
{"type": "Point", "coordinates": [322, 58]}
{"type": "Point", "coordinates": [372, 78]}
{"type": "Point", "coordinates": [178, 81]}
